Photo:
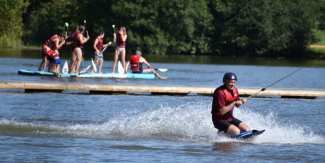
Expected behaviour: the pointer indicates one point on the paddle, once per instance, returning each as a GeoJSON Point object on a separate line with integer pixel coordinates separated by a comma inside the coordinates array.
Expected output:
{"type": "Point", "coordinates": [161, 69]}
{"type": "Point", "coordinates": [114, 29]}
{"type": "Point", "coordinates": [84, 70]}
{"type": "Point", "coordinates": [94, 66]}
{"type": "Point", "coordinates": [65, 68]}
{"type": "Point", "coordinates": [83, 63]}
{"type": "Point", "coordinates": [120, 68]}
{"type": "Point", "coordinates": [105, 49]}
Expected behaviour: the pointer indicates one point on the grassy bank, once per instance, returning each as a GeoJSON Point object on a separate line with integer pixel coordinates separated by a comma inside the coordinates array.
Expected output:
{"type": "Point", "coordinates": [318, 50]}
{"type": "Point", "coordinates": [8, 42]}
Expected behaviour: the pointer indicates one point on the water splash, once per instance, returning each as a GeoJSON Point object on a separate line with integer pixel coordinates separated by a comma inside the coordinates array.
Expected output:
{"type": "Point", "coordinates": [187, 122]}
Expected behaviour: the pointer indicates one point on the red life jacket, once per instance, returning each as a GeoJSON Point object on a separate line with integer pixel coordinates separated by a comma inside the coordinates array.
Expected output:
{"type": "Point", "coordinates": [51, 54]}
{"type": "Point", "coordinates": [135, 62]}
{"type": "Point", "coordinates": [120, 42]}
{"type": "Point", "coordinates": [50, 42]}
{"type": "Point", "coordinates": [76, 42]}
{"type": "Point", "coordinates": [216, 115]}
{"type": "Point", "coordinates": [99, 44]}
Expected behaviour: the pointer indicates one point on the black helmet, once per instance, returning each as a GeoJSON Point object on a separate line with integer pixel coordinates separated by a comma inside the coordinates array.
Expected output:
{"type": "Point", "coordinates": [229, 75]}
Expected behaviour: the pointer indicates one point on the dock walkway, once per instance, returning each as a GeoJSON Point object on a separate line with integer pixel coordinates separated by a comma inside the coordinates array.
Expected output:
{"type": "Point", "coordinates": [108, 88]}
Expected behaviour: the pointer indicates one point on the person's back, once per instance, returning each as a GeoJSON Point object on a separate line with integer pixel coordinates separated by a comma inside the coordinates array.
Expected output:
{"type": "Point", "coordinates": [136, 65]}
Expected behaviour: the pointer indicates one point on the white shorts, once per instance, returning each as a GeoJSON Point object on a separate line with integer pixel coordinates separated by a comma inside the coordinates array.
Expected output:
{"type": "Point", "coordinates": [119, 49]}
{"type": "Point", "coordinates": [100, 56]}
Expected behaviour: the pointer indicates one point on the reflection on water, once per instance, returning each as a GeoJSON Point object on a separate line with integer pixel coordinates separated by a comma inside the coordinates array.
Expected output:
{"type": "Point", "coordinates": [173, 58]}
{"type": "Point", "coordinates": [226, 147]}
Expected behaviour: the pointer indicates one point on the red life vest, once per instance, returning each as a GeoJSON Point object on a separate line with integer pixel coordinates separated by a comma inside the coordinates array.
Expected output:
{"type": "Point", "coordinates": [99, 44]}
{"type": "Point", "coordinates": [76, 41]}
{"type": "Point", "coordinates": [51, 54]}
{"type": "Point", "coordinates": [50, 42]}
{"type": "Point", "coordinates": [216, 115]}
{"type": "Point", "coordinates": [135, 62]}
{"type": "Point", "coordinates": [120, 42]}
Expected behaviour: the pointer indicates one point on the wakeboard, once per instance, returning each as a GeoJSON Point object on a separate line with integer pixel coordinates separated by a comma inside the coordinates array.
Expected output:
{"type": "Point", "coordinates": [247, 135]}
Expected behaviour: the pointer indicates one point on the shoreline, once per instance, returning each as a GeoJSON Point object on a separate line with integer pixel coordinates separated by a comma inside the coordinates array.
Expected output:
{"type": "Point", "coordinates": [313, 54]}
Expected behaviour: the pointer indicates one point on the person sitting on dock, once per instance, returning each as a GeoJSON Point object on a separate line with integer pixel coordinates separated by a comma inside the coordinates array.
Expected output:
{"type": "Point", "coordinates": [225, 98]}
{"type": "Point", "coordinates": [136, 62]}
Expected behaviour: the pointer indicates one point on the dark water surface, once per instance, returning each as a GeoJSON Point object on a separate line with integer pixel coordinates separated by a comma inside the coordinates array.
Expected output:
{"type": "Point", "coordinates": [80, 127]}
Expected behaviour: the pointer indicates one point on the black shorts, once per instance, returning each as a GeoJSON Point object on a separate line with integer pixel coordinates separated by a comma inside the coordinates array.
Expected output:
{"type": "Point", "coordinates": [224, 125]}
{"type": "Point", "coordinates": [138, 72]}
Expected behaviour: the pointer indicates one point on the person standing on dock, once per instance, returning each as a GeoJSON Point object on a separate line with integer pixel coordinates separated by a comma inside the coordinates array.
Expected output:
{"type": "Point", "coordinates": [120, 43]}
{"type": "Point", "coordinates": [98, 46]}
{"type": "Point", "coordinates": [225, 98]}
{"type": "Point", "coordinates": [136, 62]}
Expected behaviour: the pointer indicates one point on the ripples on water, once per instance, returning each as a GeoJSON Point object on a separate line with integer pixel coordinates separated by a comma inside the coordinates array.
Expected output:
{"type": "Point", "coordinates": [79, 127]}
{"type": "Point", "coordinates": [188, 122]}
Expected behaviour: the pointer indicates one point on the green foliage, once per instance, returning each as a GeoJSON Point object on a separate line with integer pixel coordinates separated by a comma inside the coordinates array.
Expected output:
{"type": "Point", "coordinates": [267, 27]}
{"type": "Point", "coordinates": [11, 26]}
{"type": "Point", "coordinates": [154, 26]}
{"type": "Point", "coordinates": [241, 27]}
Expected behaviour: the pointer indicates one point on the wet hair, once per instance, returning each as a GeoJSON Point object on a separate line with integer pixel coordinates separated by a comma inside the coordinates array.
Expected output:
{"type": "Point", "coordinates": [124, 30]}
{"type": "Point", "coordinates": [101, 32]}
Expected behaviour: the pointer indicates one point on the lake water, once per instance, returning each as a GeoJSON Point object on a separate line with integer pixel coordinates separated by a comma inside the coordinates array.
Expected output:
{"type": "Point", "coordinates": [79, 127]}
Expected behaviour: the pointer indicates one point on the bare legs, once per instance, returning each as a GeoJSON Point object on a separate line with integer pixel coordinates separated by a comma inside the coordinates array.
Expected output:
{"type": "Point", "coordinates": [99, 67]}
{"type": "Point", "coordinates": [44, 61]}
{"type": "Point", "coordinates": [123, 58]}
{"type": "Point", "coordinates": [42, 66]}
{"type": "Point", "coordinates": [233, 130]}
{"type": "Point", "coordinates": [117, 53]}
{"type": "Point", "coordinates": [154, 72]}
{"type": "Point", "coordinates": [75, 61]}
{"type": "Point", "coordinates": [55, 68]}
{"type": "Point", "coordinates": [79, 59]}
{"type": "Point", "coordinates": [72, 63]}
{"type": "Point", "coordinates": [115, 59]}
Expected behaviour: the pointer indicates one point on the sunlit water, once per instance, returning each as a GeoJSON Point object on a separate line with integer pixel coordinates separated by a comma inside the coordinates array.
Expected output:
{"type": "Point", "coordinates": [80, 127]}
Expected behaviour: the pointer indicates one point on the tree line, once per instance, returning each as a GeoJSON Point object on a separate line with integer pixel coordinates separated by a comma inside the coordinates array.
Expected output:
{"type": "Point", "coordinates": [218, 27]}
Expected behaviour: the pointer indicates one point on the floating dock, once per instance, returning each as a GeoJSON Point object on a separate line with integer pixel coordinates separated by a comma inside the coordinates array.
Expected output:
{"type": "Point", "coordinates": [108, 88]}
